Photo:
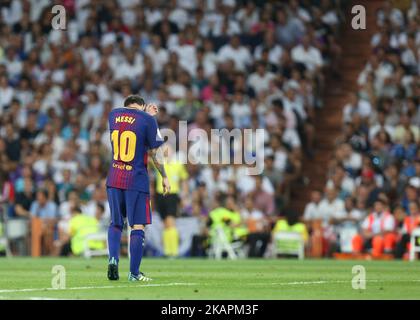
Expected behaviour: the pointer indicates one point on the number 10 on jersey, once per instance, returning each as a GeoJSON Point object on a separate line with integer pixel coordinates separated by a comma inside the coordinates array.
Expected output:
{"type": "Point", "coordinates": [124, 145]}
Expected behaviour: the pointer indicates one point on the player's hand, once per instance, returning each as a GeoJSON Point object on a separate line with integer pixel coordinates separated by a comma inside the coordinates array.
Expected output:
{"type": "Point", "coordinates": [166, 186]}
{"type": "Point", "coordinates": [152, 109]}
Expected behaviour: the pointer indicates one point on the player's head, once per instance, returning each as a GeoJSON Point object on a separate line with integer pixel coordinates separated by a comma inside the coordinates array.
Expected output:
{"type": "Point", "coordinates": [134, 101]}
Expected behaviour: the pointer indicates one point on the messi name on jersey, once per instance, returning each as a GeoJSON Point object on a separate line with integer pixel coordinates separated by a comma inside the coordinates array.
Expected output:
{"type": "Point", "coordinates": [126, 119]}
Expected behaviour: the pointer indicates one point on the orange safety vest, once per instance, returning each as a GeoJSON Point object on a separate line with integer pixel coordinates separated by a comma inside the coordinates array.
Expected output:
{"type": "Point", "coordinates": [371, 219]}
{"type": "Point", "coordinates": [411, 223]}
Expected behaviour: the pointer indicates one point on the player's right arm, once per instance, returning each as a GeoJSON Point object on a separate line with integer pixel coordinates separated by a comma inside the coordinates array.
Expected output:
{"type": "Point", "coordinates": [151, 109]}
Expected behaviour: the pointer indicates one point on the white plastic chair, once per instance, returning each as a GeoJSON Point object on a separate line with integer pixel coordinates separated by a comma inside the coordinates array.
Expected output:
{"type": "Point", "coordinates": [221, 243]}
{"type": "Point", "coordinates": [4, 241]}
{"type": "Point", "coordinates": [16, 228]}
{"type": "Point", "coordinates": [347, 232]}
{"type": "Point", "coordinates": [414, 247]}
{"type": "Point", "coordinates": [289, 243]}
{"type": "Point", "coordinates": [88, 252]}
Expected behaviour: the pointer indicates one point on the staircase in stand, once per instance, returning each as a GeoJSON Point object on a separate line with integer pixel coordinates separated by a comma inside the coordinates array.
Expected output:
{"type": "Point", "coordinates": [328, 123]}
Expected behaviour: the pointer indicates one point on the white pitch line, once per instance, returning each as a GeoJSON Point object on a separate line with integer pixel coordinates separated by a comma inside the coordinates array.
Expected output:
{"type": "Point", "coordinates": [45, 298]}
{"type": "Point", "coordinates": [98, 287]}
{"type": "Point", "coordinates": [298, 283]}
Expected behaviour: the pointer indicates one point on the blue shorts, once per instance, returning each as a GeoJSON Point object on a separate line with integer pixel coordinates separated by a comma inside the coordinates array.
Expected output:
{"type": "Point", "coordinates": [131, 204]}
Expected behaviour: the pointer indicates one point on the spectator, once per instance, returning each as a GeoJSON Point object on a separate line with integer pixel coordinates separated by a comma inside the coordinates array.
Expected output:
{"type": "Point", "coordinates": [307, 55]}
{"type": "Point", "coordinates": [410, 222]}
{"type": "Point", "coordinates": [80, 226]}
{"type": "Point", "coordinates": [227, 217]}
{"type": "Point", "coordinates": [262, 199]}
{"type": "Point", "coordinates": [43, 208]}
{"type": "Point", "coordinates": [44, 211]}
{"type": "Point", "coordinates": [290, 224]}
{"type": "Point", "coordinates": [356, 105]}
{"type": "Point", "coordinates": [331, 207]}
{"type": "Point", "coordinates": [260, 79]}
{"type": "Point", "coordinates": [258, 228]}
{"type": "Point", "coordinates": [6, 94]}
{"type": "Point", "coordinates": [377, 231]}
{"type": "Point", "coordinates": [240, 55]}
{"type": "Point", "coordinates": [288, 29]}
{"type": "Point", "coordinates": [312, 209]}
{"type": "Point", "coordinates": [25, 199]}
{"type": "Point", "coordinates": [405, 127]}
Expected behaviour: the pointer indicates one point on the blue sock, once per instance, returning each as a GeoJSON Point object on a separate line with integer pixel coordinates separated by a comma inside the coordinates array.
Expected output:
{"type": "Point", "coordinates": [136, 250]}
{"type": "Point", "coordinates": [114, 240]}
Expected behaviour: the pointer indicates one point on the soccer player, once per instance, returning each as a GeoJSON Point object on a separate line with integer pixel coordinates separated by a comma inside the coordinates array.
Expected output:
{"type": "Point", "coordinates": [134, 133]}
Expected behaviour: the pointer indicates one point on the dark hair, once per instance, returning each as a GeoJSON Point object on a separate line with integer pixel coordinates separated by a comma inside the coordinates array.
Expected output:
{"type": "Point", "coordinates": [44, 192]}
{"type": "Point", "coordinates": [381, 200]}
{"type": "Point", "coordinates": [277, 103]}
{"type": "Point", "coordinates": [77, 209]}
{"type": "Point", "coordinates": [133, 99]}
{"type": "Point", "coordinates": [292, 216]}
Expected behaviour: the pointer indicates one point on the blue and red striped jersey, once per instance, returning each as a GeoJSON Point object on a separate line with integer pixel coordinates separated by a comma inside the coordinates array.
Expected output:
{"type": "Point", "coordinates": [133, 133]}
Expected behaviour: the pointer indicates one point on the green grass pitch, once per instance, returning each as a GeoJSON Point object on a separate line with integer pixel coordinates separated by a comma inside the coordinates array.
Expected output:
{"type": "Point", "coordinates": [30, 278]}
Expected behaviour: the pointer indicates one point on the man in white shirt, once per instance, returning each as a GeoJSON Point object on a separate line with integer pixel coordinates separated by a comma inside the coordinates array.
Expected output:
{"type": "Point", "coordinates": [236, 52]}
{"type": "Point", "coordinates": [356, 105]}
{"type": "Point", "coordinates": [308, 55]}
{"type": "Point", "coordinates": [186, 54]}
{"type": "Point", "coordinates": [331, 207]}
{"type": "Point", "coordinates": [312, 211]}
{"type": "Point", "coordinates": [240, 110]}
{"type": "Point", "coordinates": [178, 15]}
{"type": "Point", "coordinates": [90, 55]}
{"type": "Point", "coordinates": [275, 51]}
{"type": "Point", "coordinates": [380, 125]}
{"type": "Point", "coordinates": [6, 93]}
{"type": "Point", "coordinates": [131, 68]}
{"type": "Point", "coordinates": [260, 79]}
{"type": "Point", "coordinates": [248, 16]}
{"type": "Point", "coordinates": [13, 63]}
{"type": "Point", "coordinates": [158, 54]}
{"type": "Point", "coordinates": [333, 213]}
{"type": "Point", "coordinates": [351, 159]}
{"type": "Point", "coordinates": [13, 12]}
{"type": "Point", "coordinates": [342, 181]}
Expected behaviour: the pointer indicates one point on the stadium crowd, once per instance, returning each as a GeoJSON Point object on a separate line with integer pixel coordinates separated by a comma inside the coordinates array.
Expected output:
{"type": "Point", "coordinates": [371, 199]}
{"type": "Point", "coordinates": [215, 64]}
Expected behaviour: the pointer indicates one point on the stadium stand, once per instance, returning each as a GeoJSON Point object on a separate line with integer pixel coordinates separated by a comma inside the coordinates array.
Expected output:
{"type": "Point", "coordinates": [371, 189]}
{"type": "Point", "coordinates": [215, 64]}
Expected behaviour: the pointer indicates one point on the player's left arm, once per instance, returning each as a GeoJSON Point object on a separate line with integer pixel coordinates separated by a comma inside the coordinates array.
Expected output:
{"type": "Point", "coordinates": [154, 141]}
{"type": "Point", "coordinates": [159, 165]}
